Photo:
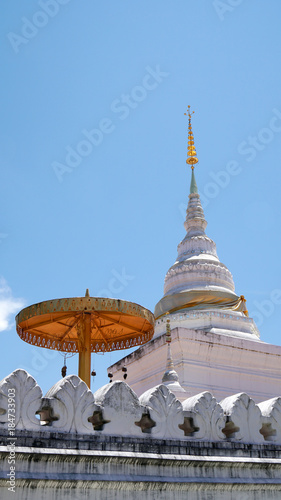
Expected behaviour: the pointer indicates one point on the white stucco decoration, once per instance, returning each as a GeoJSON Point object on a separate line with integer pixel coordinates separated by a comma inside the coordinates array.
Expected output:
{"type": "Point", "coordinates": [207, 416]}
{"type": "Point", "coordinates": [68, 405]}
{"type": "Point", "coordinates": [197, 265]}
{"type": "Point", "coordinates": [20, 391]}
{"type": "Point", "coordinates": [121, 409]}
{"type": "Point", "coordinates": [244, 420]}
{"type": "Point", "coordinates": [165, 410]}
{"type": "Point", "coordinates": [271, 418]}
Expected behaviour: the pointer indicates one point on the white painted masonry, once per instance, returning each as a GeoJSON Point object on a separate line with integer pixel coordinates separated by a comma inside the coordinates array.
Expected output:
{"type": "Point", "coordinates": [112, 444]}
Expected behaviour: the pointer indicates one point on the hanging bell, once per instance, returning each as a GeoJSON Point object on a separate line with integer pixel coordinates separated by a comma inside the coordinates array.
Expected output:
{"type": "Point", "coordinates": [124, 369]}
{"type": "Point", "coordinates": [110, 376]}
{"type": "Point", "coordinates": [63, 371]}
{"type": "Point", "coordinates": [93, 373]}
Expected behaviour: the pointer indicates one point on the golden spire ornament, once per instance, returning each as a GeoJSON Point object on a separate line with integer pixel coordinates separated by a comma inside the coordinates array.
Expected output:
{"type": "Point", "coordinates": [191, 151]}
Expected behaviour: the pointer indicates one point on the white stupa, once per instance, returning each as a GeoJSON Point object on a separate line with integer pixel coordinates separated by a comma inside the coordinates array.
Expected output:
{"type": "Point", "coordinates": [198, 287]}
{"type": "Point", "coordinates": [216, 346]}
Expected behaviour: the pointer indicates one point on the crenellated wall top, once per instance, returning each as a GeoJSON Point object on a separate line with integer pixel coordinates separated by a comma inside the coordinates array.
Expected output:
{"type": "Point", "coordinates": [115, 410]}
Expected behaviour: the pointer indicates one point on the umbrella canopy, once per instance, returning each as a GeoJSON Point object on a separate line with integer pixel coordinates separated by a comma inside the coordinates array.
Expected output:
{"type": "Point", "coordinates": [84, 325]}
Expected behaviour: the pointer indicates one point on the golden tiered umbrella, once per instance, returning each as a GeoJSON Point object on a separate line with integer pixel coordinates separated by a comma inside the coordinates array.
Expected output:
{"type": "Point", "coordinates": [85, 325]}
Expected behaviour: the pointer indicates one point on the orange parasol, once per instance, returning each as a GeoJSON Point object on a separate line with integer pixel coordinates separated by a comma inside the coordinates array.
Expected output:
{"type": "Point", "coordinates": [84, 325]}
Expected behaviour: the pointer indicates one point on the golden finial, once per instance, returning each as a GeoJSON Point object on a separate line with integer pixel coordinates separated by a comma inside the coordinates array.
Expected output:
{"type": "Point", "coordinates": [191, 151]}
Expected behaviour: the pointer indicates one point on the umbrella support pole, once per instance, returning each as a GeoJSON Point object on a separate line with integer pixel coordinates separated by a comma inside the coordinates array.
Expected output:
{"type": "Point", "coordinates": [84, 370]}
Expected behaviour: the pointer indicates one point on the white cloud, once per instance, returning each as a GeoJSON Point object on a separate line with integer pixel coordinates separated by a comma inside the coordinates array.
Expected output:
{"type": "Point", "coordinates": [9, 306]}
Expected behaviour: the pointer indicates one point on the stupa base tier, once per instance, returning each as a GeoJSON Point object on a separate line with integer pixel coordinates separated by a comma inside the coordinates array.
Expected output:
{"type": "Point", "coordinates": [206, 361]}
{"type": "Point", "coordinates": [221, 321]}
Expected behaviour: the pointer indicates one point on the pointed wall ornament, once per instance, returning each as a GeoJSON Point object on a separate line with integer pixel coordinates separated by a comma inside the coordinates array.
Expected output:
{"type": "Point", "coordinates": [271, 418]}
{"type": "Point", "coordinates": [207, 416]}
{"type": "Point", "coordinates": [68, 405]}
{"type": "Point", "coordinates": [120, 408]}
{"type": "Point", "coordinates": [165, 410]}
{"type": "Point", "coordinates": [20, 398]}
{"type": "Point", "coordinates": [243, 419]}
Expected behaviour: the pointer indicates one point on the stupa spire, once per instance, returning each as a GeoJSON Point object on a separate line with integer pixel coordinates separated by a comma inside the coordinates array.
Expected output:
{"type": "Point", "coordinates": [195, 222]}
{"type": "Point", "coordinates": [193, 185]}
{"type": "Point", "coordinates": [198, 280]}
{"type": "Point", "coordinates": [197, 270]}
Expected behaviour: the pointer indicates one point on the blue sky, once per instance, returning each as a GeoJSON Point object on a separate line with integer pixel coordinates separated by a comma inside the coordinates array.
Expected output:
{"type": "Point", "coordinates": [109, 216]}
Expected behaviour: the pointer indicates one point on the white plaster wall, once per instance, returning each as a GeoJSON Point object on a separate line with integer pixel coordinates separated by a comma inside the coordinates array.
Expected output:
{"type": "Point", "coordinates": [72, 475]}
{"type": "Point", "coordinates": [101, 491]}
{"type": "Point", "coordinates": [220, 364]}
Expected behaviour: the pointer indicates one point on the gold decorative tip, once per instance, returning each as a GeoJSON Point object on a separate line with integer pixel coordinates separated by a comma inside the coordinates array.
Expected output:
{"type": "Point", "coordinates": [191, 151]}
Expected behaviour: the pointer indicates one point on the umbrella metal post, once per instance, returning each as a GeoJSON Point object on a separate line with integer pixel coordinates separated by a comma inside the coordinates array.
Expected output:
{"type": "Point", "coordinates": [84, 370]}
